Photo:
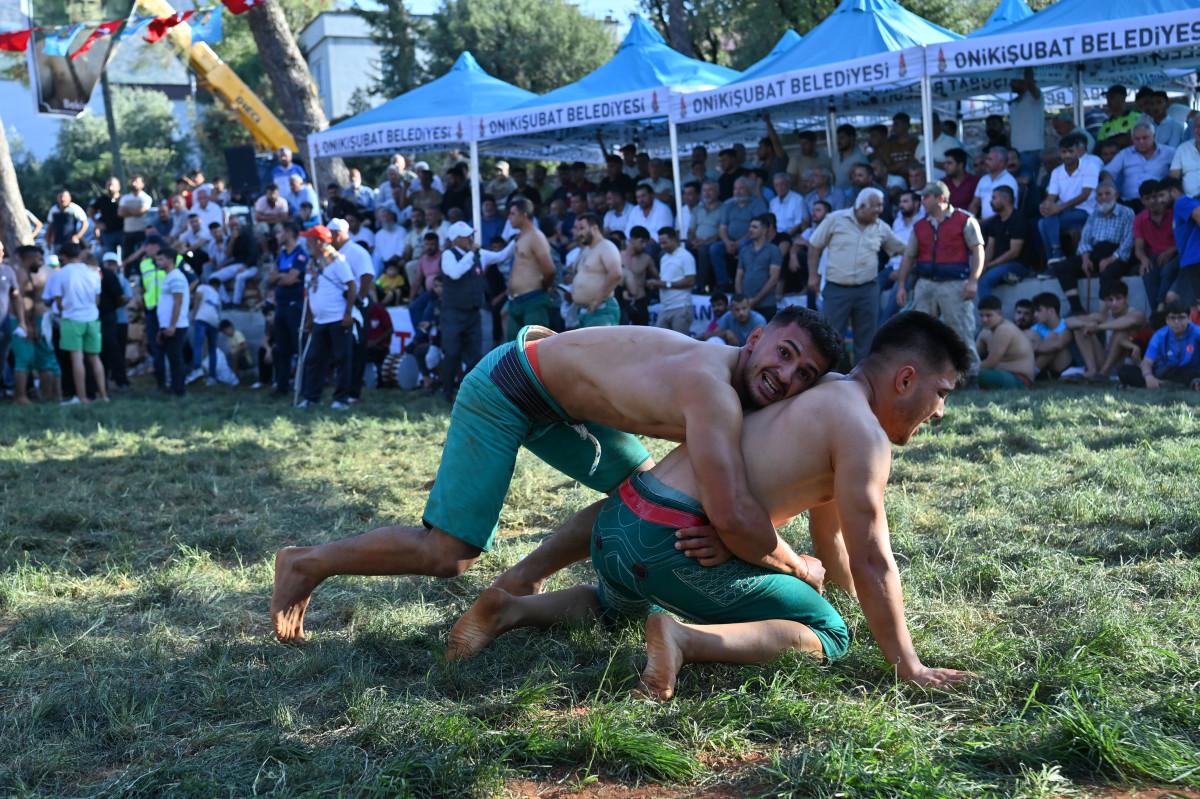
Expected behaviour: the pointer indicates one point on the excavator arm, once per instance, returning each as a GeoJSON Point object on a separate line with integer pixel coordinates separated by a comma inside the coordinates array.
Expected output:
{"type": "Point", "coordinates": [217, 76]}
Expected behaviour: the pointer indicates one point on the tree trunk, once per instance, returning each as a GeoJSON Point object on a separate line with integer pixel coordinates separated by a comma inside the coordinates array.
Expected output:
{"type": "Point", "coordinates": [285, 66]}
{"type": "Point", "coordinates": [681, 42]}
{"type": "Point", "coordinates": [14, 227]}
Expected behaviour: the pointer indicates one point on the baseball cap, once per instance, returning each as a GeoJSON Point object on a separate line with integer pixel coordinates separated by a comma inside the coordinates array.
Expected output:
{"type": "Point", "coordinates": [1066, 115]}
{"type": "Point", "coordinates": [319, 232]}
{"type": "Point", "coordinates": [935, 188]}
{"type": "Point", "coordinates": [111, 256]}
{"type": "Point", "coordinates": [460, 229]}
{"type": "Point", "coordinates": [339, 224]}
{"type": "Point", "coordinates": [52, 260]}
{"type": "Point", "coordinates": [501, 165]}
{"type": "Point", "coordinates": [421, 165]}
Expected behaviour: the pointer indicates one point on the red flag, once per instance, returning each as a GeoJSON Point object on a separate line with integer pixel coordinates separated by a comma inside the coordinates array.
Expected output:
{"type": "Point", "coordinates": [241, 6]}
{"type": "Point", "coordinates": [107, 29]}
{"type": "Point", "coordinates": [159, 27]}
{"type": "Point", "coordinates": [15, 42]}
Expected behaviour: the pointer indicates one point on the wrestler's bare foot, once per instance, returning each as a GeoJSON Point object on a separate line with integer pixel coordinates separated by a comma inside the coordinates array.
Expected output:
{"type": "Point", "coordinates": [486, 620]}
{"type": "Point", "coordinates": [515, 582]}
{"type": "Point", "coordinates": [664, 657]}
{"type": "Point", "coordinates": [290, 598]}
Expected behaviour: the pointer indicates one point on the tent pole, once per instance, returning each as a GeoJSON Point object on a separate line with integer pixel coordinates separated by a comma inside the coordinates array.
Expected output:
{"type": "Point", "coordinates": [927, 117]}
{"type": "Point", "coordinates": [830, 131]}
{"type": "Point", "coordinates": [476, 201]}
{"type": "Point", "coordinates": [674, 133]}
{"type": "Point", "coordinates": [1078, 98]}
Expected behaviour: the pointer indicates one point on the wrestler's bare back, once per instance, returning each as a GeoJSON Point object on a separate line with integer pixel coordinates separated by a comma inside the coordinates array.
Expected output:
{"type": "Point", "coordinates": [632, 378]}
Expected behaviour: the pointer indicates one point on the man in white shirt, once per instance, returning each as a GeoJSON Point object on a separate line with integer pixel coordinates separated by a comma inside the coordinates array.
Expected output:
{"type": "Point", "coordinates": [364, 275]}
{"type": "Point", "coordinates": [206, 209]}
{"type": "Point", "coordinates": [133, 209]}
{"type": "Point", "coordinates": [1069, 198]}
{"type": "Point", "coordinates": [791, 212]}
{"type": "Point", "coordinates": [331, 295]}
{"type": "Point", "coordinates": [649, 212]}
{"type": "Point", "coordinates": [677, 276]}
{"type": "Point", "coordinates": [390, 239]}
{"type": "Point", "coordinates": [1027, 122]}
{"type": "Point", "coordinates": [77, 295]}
{"type": "Point", "coordinates": [662, 186]}
{"type": "Point", "coordinates": [1185, 164]}
{"type": "Point", "coordinates": [997, 175]}
{"type": "Point", "coordinates": [618, 214]}
{"type": "Point", "coordinates": [174, 304]}
{"type": "Point", "coordinates": [359, 232]}
{"type": "Point", "coordinates": [65, 221]}
{"type": "Point", "coordinates": [239, 273]}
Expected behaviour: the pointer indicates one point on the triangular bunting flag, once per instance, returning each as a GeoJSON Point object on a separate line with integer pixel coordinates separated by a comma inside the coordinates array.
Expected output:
{"type": "Point", "coordinates": [60, 43]}
{"type": "Point", "coordinates": [241, 6]}
{"type": "Point", "coordinates": [159, 27]}
{"type": "Point", "coordinates": [135, 26]}
{"type": "Point", "coordinates": [208, 28]}
{"type": "Point", "coordinates": [107, 29]}
{"type": "Point", "coordinates": [15, 42]}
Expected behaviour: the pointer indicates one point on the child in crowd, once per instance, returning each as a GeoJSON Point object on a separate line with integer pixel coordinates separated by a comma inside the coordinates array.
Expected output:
{"type": "Point", "coordinates": [391, 283]}
{"type": "Point", "coordinates": [237, 352]}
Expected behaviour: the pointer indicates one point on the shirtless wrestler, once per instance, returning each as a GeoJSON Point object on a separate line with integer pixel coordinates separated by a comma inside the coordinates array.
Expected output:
{"type": "Point", "coordinates": [532, 274]}
{"type": "Point", "coordinates": [825, 451]}
{"type": "Point", "coordinates": [537, 392]}
{"type": "Point", "coordinates": [597, 273]}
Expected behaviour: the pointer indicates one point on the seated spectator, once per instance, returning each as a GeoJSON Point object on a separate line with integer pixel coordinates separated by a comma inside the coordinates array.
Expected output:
{"type": "Point", "coordinates": [1121, 118]}
{"type": "Point", "coordinates": [910, 210]}
{"type": "Point", "coordinates": [1172, 358]}
{"type": "Point", "coordinates": [491, 224]}
{"type": "Point", "coordinates": [916, 180]}
{"type": "Point", "coordinates": [1142, 161]}
{"type": "Point", "coordinates": [286, 167]}
{"type": "Point", "coordinates": [961, 184]}
{"type": "Point", "coordinates": [847, 155]}
{"type": "Point", "coordinates": [392, 282]}
{"type": "Point", "coordinates": [795, 277]}
{"type": "Point", "coordinates": [997, 175]}
{"type": "Point", "coordinates": [1006, 356]}
{"type": "Point", "coordinates": [1105, 247]}
{"type": "Point", "coordinates": [994, 129]}
{"type": "Point", "coordinates": [1154, 244]}
{"type": "Point", "coordinates": [206, 322]}
{"type": "Point", "coordinates": [719, 304]}
{"type": "Point", "coordinates": [1186, 211]}
{"type": "Point", "coordinates": [457, 192]}
{"type": "Point", "coordinates": [1023, 314]}
{"type": "Point", "coordinates": [360, 233]}
{"type": "Point", "coordinates": [619, 211]}
{"type": "Point", "coordinates": [704, 230]}
{"type": "Point", "coordinates": [862, 177]}
{"type": "Point", "coordinates": [429, 264]}
{"type": "Point", "coordinates": [426, 196]}
{"type": "Point", "coordinates": [824, 191]}
{"type": "Point", "coordinates": [501, 185]}
{"type": "Point", "coordinates": [269, 210]}
{"type": "Point", "coordinates": [615, 179]}
{"type": "Point", "coordinates": [237, 351]}
{"type": "Point", "coordinates": [1068, 201]}
{"type": "Point", "coordinates": [1005, 234]}
{"type": "Point", "coordinates": [579, 175]}
{"type": "Point", "coordinates": [1050, 337]}
{"type": "Point", "coordinates": [734, 231]}
{"type": "Point", "coordinates": [661, 185]}
{"type": "Point", "coordinates": [1106, 151]}
{"type": "Point", "coordinates": [1029, 198]}
{"type": "Point", "coordinates": [731, 170]}
{"type": "Point", "coordinates": [736, 324]}
{"type": "Point", "coordinates": [901, 147]}
{"type": "Point", "coordinates": [1168, 132]}
{"type": "Point", "coordinates": [1185, 164]}
{"type": "Point", "coordinates": [1117, 320]}
{"type": "Point", "coordinates": [335, 206]}
{"type": "Point", "coordinates": [1064, 125]}
{"type": "Point", "coordinates": [307, 216]}
{"type": "Point", "coordinates": [791, 214]}
{"type": "Point", "coordinates": [298, 192]}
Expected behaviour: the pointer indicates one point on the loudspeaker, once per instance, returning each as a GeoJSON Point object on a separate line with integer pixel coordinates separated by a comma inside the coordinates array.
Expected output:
{"type": "Point", "coordinates": [243, 171]}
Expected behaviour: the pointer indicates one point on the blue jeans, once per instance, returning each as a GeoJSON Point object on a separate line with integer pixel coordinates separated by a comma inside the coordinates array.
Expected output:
{"type": "Point", "coordinates": [1158, 281]}
{"type": "Point", "coordinates": [110, 241]}
{"type": "Point", "coordinates": [157, 354]}
{"type": "Point", "coordinates": [995, 276]}
{"type": "Point", "coordinates": [202, 332]}
{"type": "Point", "coordinates": [720, 264]}
{"type": "Point", "coordinates": [1051, 226]}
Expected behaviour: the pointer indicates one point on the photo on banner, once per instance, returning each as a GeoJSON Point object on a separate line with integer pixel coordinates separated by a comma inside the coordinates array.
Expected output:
{"type": "Point", "coordinates": [62, 86]}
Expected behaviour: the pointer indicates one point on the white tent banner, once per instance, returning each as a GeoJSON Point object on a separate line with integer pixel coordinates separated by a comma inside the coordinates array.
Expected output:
{"type": "Point", "coordinates": [515, 122]}
{"type": "Point", "coordinates": [806, 84]}
{"type": "Point", "coordinates": [1106, 39]}
{"type": "Point", "coordinates": [388, 137]}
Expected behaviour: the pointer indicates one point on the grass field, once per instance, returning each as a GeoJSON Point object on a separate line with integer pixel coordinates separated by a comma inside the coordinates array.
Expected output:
{"type": "Point", "coordinates": [1048, 541]}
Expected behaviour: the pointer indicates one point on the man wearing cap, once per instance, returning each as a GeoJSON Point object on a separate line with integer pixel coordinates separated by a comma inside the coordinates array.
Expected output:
{"type": "Point", "coordinates": [463, 287]}
{"type": "Point", "coordinates": [286, 167]}
{"type": "Point", "coordinates": [332, 291]}
{"type": "Point", "coordinates": [1121, 118]}
{"type": "Point", "coordinates": [947, 249]}
{"type": "Point", "coordinates": [501, 185]}
{"type": "Point", "coordinates": [364, 275]}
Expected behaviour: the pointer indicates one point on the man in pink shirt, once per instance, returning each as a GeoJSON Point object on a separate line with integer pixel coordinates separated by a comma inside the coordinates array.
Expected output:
{"type": "Point", "coordinates": [429, 265]}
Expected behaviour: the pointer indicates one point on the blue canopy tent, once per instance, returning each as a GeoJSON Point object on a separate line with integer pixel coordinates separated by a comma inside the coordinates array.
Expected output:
{"type": "Point", "coordinates": [418, 120]}
{"type": "Point", "coordinates": [1008, 12]}
{"type": "Point", "coordinates": [786, 42]}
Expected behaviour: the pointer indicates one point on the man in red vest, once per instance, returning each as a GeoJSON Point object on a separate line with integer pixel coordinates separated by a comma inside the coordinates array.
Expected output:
{"type": "Point", "coordinates": [947, 249]}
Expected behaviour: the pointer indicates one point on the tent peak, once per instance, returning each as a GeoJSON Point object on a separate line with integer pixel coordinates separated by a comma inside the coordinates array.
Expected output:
{"type": "Point", "coordinates": [641, 34]}
{"type": "Point", "coordinates": [466, 62]}
{"type": "Point", "coordinates": [866, 6]}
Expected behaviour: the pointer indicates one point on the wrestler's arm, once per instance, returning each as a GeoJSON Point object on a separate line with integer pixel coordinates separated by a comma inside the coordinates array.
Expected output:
{"type": "Point", "coordinates": [862, 462]}
{"type": "Point", "coordinates": [830, 546]}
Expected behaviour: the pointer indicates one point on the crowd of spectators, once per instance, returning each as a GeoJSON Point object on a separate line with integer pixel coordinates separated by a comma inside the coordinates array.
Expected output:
{"type": "Point", "coordinates": [858, 233]}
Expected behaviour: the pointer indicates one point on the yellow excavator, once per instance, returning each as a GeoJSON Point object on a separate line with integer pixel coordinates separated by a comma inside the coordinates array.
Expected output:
{"type": "Point", "coordinates": [219, 78]}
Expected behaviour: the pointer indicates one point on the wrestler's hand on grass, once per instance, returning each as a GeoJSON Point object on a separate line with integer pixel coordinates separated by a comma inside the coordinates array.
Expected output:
{"type": "Point", "coordinates": [927, 677]}
{"type": "Point", "coordinates": [703, 544]}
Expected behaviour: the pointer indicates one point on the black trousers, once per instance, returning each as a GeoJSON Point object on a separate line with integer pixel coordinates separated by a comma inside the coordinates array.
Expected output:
{"type": "Point", "coordinates": [155, 349]}
{"type": "Point", "coordinates": [462, 343]}
{"type": "Point", "coordinates": [112, 349]}
{"type": "Point", "coordinates": [1070, 271]}
{"type": "Point", "coordinates": [172, 349]}
{"type": "Point", "coordinates": [287, 334]}
{"type": "Point", "coordinates": [1132, 375]}
{"type": "Point", "coordinates": [358, 364]}
{"type": "Point", "coordinates": [328, 342]}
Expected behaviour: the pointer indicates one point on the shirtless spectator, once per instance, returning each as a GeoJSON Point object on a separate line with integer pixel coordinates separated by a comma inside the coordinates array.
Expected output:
{"type": "Point", "coordinates": [556, 395]}
{"type": "Point", "coordinates": [533, 272]}
{"type": "Point", "coordinates": [1006, 356]}
{"type": "Point", "coordinates": [1117, 320]}
{"type": "Point", "coordinates": [597, 273]}
{"type": "Point", "coordinates": [33, 352]}
{"type": "Point", "coordinates": [1050, 337]}
{"type": "Point", "coordinates": [636, 267]}
{"type": "Point", "coordinates": [1172, 357]}
{"type": "Point", "coordinates": [1023, 315]}
{"type": "Point", "coordinates": [746, 611]}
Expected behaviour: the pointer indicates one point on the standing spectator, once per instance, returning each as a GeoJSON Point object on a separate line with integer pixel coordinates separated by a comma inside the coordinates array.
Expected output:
{"type": "Point", "coordinates": [65, 221]}
{"type": "Point", "coordinates": [947, 249]}
{"type": "Point", "coordinates": [287, 278]}
{"type": "Point", "coordinates": [393, 193]}
{"type": "Point", "coordinates": [520, 176]}
{"type": "Point", "coordinates": [115, 294]}
{"type": "Point", "coordinates": [463, 289]}
{"type": "Point", "coordinates": [1027, 121]}
{"type": "Point", "coordinates": [1168, 132]}
{"type": "Point", "coordinates": [677, 276]}
{"type": "Point", "coordinates": [824, 191]}
{"type": "Point", "coordinates": [730, 172]}
{"type": "Point", "coordinates": [282, 172]}
{"type": "Point", "coordinates": [962, 185]}
{"type": "Point", "coordinates": [759, 263]}
{"type": "Point", "coordinates": [78, 299]}
{"type": "Point", "coordinates": [457, 193]}
{"type": "Point", "coordinates": [704, 229]}
{"type": "Point", "coordinates": [360, 195]}
{"type": "Point", "coordinates": [206, 323]}
{"type": "Point", "coordinates": [33, 352]}
{"type": "Point", "coordinates": [806, 159]}
{"type": "Point", "coordinates": [546, 190]}
{"type": "Point", "coordinates": [150, 283]}
{"type": "Point", "coordinates": [299, 192]}
{"type": "Point", "coordinates": [1004, 233]}
{"type": "Point", "coordinates": [901, 147]}
{"type": "Point", "coordinates": [1143, 160]}
{"type": "Point", "coordinates": [661, 186]}
{"type": "Point", "coordinates": [1007, 359]}
{"type": "Point", "coordinates": [363, 270]}
{"type": "Point", "coordinates": [1186, 212]}
{"type": "Point", "coordinates": [1068, 201]}
{"type": "Point", "coordinates": [162, 225]}
{"type": "Point", "coordinates": [1154, 244]}
{"type": "Point", "coordinates": [1121, 118]}
{"type": "Point", "coordinates": [854, 238]}
{"type": "Point", "coordinates": [942, 143]}
{"type": "Point", "coordinates": [12, 309]}
{"type": "Point", "coordinates": [636, 267]}
{"type": "Point", "coordinates": [615, 179]}
{"type": "Point", "coordinates": [330, 320]}
{"type": "Point", "coordinates": [501, 185]}
{"type": "Point", "coordinates": [173, 312]}
{"type": "Point", "coordinates": [997, 175]}
{"type": "Point", "coordinates": [650, 213]}
{"type": "Point", "coordinates": [993, 128]}
{"type": "Point", "coordinates": [772, 157]}
{"type": "Point", "coordinates": [133, 209]}
{"type": "Point", "coordinates": [847, 156]}
{"type": "Point", "coordinates": [1172, 357]}
{"type": "Point", "coordinates": [1105, 247]}
{"type": "Point", "coordinates": [735, 325]}
{"type": "Point", "coordinates": [619, 211]}
{"type": "Point", "coordinates": [106, 214]}
{"type": "Point", "coordinates": [491, 224]}
{"type": "Point", "coordinates": [1185, 165]}
{"type": "Point", "coordinates": [734, 230]}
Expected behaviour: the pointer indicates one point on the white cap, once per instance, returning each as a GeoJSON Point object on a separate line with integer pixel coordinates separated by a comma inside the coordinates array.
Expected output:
{"type": "Point", "coordinates": [207, 188]}
{"type": "Point", "coordinates": [111, 256]}
{"type": "Point", "coordinates": [339, 224]}
{"type": "Point", "coordinates": [421, 165]}
{"type": "Point", "coordinates": [52, 260]}
{"type": "Point", "coordinates": [459, 230]}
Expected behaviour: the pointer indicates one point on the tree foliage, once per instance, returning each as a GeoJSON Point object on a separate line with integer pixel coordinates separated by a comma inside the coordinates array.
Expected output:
{"type": "Point", "coordinates": [397, 34]}
{"type": "Point", "coordinates": [538, 45]}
